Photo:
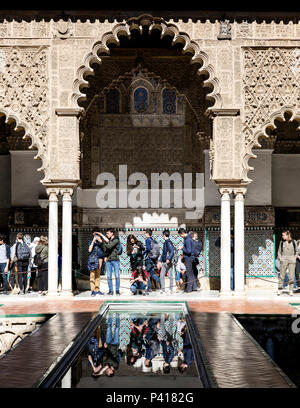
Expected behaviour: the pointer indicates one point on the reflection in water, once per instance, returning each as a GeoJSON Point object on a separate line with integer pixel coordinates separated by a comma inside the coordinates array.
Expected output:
{"type": "Point", "coordinates": [150, 349]}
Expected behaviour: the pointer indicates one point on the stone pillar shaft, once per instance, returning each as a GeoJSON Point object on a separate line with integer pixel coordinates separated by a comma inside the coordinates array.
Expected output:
{"type": "Point", "coordinates": [225, 242]}
{"type": "Point", "coordinates": [53, 242]}
{"type": "Point", "coordinates": [239, 239]}
{"type": "Point", "coordinates": [67, 241]}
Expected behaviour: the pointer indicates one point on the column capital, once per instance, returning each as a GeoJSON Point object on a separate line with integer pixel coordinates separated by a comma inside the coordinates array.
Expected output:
{"type": "Point", "coordinates": [224, 191]}
{"type": "Point", "coordinates": [53, 193]}
{"type": "Point", "coordinates": [239, 193]}
{"type": "Point", "coordinates": [67, 193]}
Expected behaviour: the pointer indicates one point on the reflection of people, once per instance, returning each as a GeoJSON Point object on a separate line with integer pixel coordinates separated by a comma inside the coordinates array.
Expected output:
{"type": "Point", "coordinates": [187, 351]}
{"type": "Point", "coordinates": [134, 348]}
{"type": "Point", "coordinates": [151, 340]}
{"type": "Point", "coordinates": [95, 355]}
{"type": "Point", "coordinates": [111, 356]}
{"type": "Point", "coordinates": [168, 343]}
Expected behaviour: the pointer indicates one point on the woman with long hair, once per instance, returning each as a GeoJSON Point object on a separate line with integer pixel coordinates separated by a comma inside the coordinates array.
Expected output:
{"type": "Point", "coordinates": [42, 250]}
{"type": "Point", "coordinates": [134, 249]}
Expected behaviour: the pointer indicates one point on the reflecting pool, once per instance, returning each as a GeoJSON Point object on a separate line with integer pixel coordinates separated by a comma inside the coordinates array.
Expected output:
{"type": "Point", "coordinates": [133, 350]}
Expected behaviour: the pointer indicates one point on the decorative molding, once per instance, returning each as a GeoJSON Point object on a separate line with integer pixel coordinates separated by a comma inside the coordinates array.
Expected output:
{"type": "Point", "coordinates": [223, 112]}
{"type": "Point", "coordinates": [225, 30]}
{"type": "Point", "coordinates": [69, 111]}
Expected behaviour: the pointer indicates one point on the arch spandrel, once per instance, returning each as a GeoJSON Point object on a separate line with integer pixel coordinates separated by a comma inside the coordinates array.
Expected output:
{"type": "Point", "coordinates": [271, 83]}
{"type": "Point", "coordinates": [24, 95]}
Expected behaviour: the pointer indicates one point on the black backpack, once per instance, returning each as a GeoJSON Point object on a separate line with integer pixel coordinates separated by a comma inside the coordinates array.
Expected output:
{"type": "Point", "coordinates": [23, 252]}
{"type": "Point", "coordinates": [37, 260]}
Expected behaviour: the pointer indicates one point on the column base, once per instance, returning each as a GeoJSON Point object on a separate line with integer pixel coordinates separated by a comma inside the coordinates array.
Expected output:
{"type": "Point", "coordinates": [66, 293]}
{"type": "Point", "coordinates": [225, 293]}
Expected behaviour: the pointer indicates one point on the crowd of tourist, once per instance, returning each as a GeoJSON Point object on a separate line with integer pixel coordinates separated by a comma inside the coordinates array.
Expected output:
{"type": "Point", "coordinates": [149, 265]}
{"type": "Point", "coordinates": [25, 264]}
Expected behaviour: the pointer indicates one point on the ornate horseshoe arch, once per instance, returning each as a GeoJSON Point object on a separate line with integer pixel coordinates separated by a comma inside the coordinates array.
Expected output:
{"type": "Point", "coordinates": [267, 124]}
{"type": "Point", "coordinates": [37, 142]}
{"type": "Point", "coordinates": [153, 23]}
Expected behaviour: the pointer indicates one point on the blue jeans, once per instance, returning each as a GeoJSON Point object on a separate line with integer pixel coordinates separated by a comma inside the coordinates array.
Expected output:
{"type": "Point", "coordinates": [137, 286]}
{"type": "Point", "coordinates": [150, 265]}
{"type": "Point", "coordinates": [110, 266]}
{"type": "Point", "coordinates": [285, 282]}
{"type": "Point", "coordinates": [232, 278]}
{"type": "Point", "coordinates": [110, 337]}
{"type": "Point", "coordinates": [4, 275]}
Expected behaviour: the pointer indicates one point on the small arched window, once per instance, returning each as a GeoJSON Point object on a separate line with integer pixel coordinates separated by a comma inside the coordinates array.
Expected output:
{"type": "Point", "coordinates": [113, 101]}
{"type": "Point", "coordinates": [169, 101]}
{"type": "Point", "coordinates": [140, 98]}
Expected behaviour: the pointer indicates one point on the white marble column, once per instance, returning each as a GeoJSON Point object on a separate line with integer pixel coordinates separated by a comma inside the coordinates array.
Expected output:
{"type": "Point", "coordinates": [239, 240]}
{"type": "Point", "coordinates": [225, 289]}
{"type": "Point", "coordinates": [53, 242]}
{"type": "Point", "coordinates": [67, 241]}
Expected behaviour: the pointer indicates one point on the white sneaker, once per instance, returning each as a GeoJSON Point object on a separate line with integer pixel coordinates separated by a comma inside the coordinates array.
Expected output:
{"type": "Point", "coordinates": [291, 293]}
{"type": "Point", "coordinates": [279, 292]}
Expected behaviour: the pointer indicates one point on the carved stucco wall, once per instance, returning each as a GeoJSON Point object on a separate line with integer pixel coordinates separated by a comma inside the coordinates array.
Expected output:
{"type": "Point", "coordinates": [68, 48]}
{"type": "Point", "coordinates": [24, 96]}
{"type": "Point", "coordinates": [271, 88]}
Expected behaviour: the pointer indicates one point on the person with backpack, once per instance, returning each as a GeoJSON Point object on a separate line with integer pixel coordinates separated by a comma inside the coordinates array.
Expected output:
{"type": "Point", "coordinates": [4, 261]}
{"type": "Point", "coordinates": [41, 259]}
{"type": "Point", "coordinates": [287, 254]}
{"type": "Point", "coordinates": [166, 262]}
{"type": "Point", "coordinates": [134, 249]}
{"type": "Point", "coordinates": [112, 249]}
{"type": "Point", "coordinates": [33, 268]}
{"type": "Point", "coordinates": [20, 255]}
{"type": "Point", "coordinates": [197, 250]}
{"type": "Point", "coordinates": [180, 274]}
{"type": "Point", "coordinates": [95, 260]}
{"type": "Point", "coordinates": [188, 251]}
{"type": "Point", "coordinates": [151, 255]}
{"type": "Point", "coordinates": [168, 342]}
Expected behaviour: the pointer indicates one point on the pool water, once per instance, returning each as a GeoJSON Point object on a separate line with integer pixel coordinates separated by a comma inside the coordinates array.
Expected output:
{"type": "Point", "coordinates": [279, 336]}
{"type": "Point", "coordinates": [133, 350]}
